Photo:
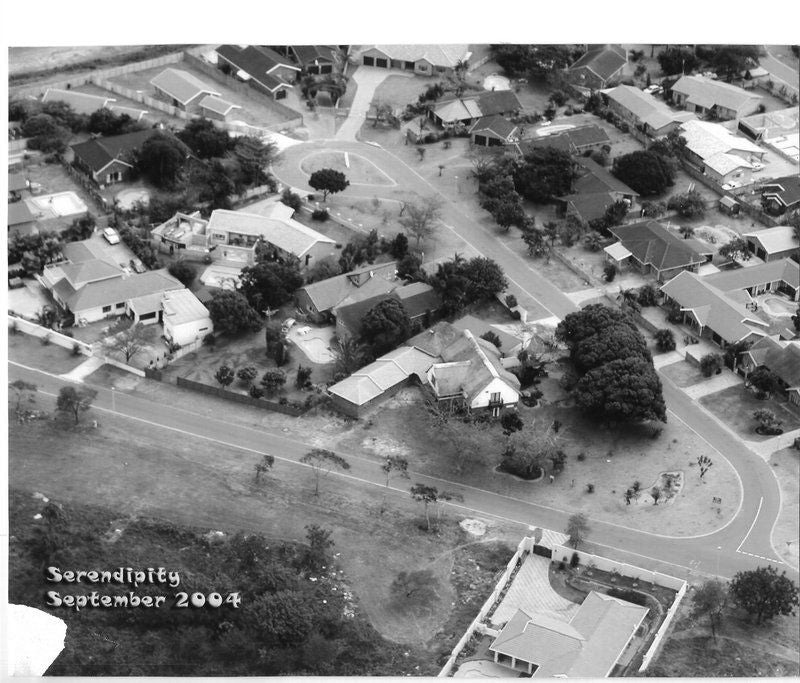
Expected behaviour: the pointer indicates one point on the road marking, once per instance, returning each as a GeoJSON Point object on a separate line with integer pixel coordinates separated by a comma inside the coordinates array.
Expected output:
{"type": "Point", "coordinates": [755, 519]}
{"type": "Point", "coordinates": [761, 557]}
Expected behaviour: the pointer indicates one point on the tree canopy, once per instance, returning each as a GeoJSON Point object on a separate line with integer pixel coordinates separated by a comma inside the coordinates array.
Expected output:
{"type": "Point", "coordinates": [677, 60]}
{"type": "Point", "coordinates": [270, 284]}
{"type": "Point", "coordinates": [328, 181]}
{"type": "Point", "coordinates": [644, 172]}
{"type": "Point", "coordinates": [385, 326]}
{"type": "Point", "coordinates": [205, 139]}
{"type": "Point", "coordinates": [161, 159]}
{"type": "Point", "coordinates": [764, 593]}
{"type": "Point", "coordinates": [420, 219]}
{"type": "Point", "coordinates": [544, 173]}
{"type": "Point", "coordinates": [74, 401]}
{"type": "Point", "coordinates": [232, 314]}
{"type": "Point", "coordinates": [460, 282]}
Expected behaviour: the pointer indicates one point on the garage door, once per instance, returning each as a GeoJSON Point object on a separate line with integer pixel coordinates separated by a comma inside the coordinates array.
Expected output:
{"type": "Point", "coordinates": [383, 63]}
{"type": "Point", "coordinates": [369, 61]}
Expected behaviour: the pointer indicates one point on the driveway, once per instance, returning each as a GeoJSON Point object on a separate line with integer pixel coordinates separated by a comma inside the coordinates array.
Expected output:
{"type": "Point", "coordinates": [368, 78]}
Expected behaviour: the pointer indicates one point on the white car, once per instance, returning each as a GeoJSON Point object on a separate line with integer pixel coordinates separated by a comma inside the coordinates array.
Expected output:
{"type": "Point", "coordinates": [111, 235]}
{"type": "Point", "coordinates": [653, 89]}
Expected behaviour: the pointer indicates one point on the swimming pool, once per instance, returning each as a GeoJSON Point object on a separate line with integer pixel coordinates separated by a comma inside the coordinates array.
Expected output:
{"type": "Point", "coordinates": [779, 308]}
{"type": "Point", "coordinates": [58, 204]}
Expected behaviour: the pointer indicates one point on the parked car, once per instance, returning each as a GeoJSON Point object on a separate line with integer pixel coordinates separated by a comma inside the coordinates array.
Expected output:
{"type": "Point", "coordinates": [137, 265]}
{"type": "Point", "coordinates": [111, 235]}
{"type": "Point", "coordinates": [653, 89]}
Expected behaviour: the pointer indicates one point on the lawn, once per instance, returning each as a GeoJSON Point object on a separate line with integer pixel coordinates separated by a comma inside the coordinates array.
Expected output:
{"type": "Point", "coordinates": [735, 406]}
{"type": "Point", "coordinates": [400, 90]}
{"type": "Point", "coordinates": [148, 475]}
{"type": "Point", "coordinates": [28, 350]}
{"type": "Point", "coordinates": [785, 534]}
{"type": "Point", "coordinates": [357, 169]}
{"type": "Point", "coordinates": [53, 178]}
{"type": "Point", "coordinates": [683, 373]}
{"type": "Point", "coordinates": [626, 456]}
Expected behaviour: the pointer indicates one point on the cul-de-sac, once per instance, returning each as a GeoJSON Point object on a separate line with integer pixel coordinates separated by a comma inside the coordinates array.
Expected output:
{"type": "Point", "coordinates": [417, 359]}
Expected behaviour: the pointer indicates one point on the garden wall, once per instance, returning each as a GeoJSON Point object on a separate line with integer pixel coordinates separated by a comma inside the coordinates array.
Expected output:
{"type": "Point", "coordinates": [28, 327]}
{"type": "Point", "coordinates": [139, 96]}
{"type": "Point", "coordinates": [662, 631]}
{"type": "Point", "coordinates": [239, 398]}
{"type": "Point", "coordinates": [123, 366]}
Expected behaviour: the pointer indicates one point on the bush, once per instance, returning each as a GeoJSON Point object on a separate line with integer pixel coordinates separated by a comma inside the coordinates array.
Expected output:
{"type": "Point", "coordinates": [76, 349]}
{"type": "Point", "coordinates": [256, 392]}
{"type": "Point", "coordinates": [320, 215]}
{"type": "Point", "coordinates": [610, 272]}
{"type": "Point", "coordinates": [46, 339]}
{"type": "Point", "coordinates": [574, 561]}
{"type": "Point", "coordinates": [629, 596]}
{"type": "Point", "coordinates": [711, 363]}
{"type": "Point", "coordinates": [665, 340]}
{"type": "Point", "coordinates": [511, 301]}
{"type": "Point", "coordinates": [292, 199]}
{"type": "Point", "coordinates": [589, 488]}
{"type": "Point", "coordinates": [209, 340]}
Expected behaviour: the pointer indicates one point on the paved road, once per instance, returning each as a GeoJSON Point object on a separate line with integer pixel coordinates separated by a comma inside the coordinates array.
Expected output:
{"type": "Point", "coordinates": [670, 555]}
{"type": "Point", "coordinates": [748, 537]}
{"type": "Point", "coordinates": [780, 70]}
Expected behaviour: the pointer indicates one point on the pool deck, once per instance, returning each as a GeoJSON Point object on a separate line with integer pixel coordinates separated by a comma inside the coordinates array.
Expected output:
{"type": "Point", "coordinates": [56, 205]}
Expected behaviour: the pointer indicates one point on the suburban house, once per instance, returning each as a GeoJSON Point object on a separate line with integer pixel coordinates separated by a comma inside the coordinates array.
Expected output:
{"type": "Point", "coordinates": [236, 234]}
{"type": "Point", "coordinates": [724, 157]}
{"type": "Point", "coordinates": [600, 67]}
{"type": "Point", "coordinates": [316, 60]}
{"type": "Point", "coordinates": [213, 107]}
{"type": "Point", "coordinates": [493, 131]}
{"type": "Point", "coordinates": [376, 382]}
{"type": "Point", "coordinates": [470, 372]}
{"type": "Point", "coordinates": [649, 247]}
{"type": "Point", "coordinates": [781, 357]}
{"type": "Point", "coordinates": [419, 301]}
{"type": "Point", "coordinates": [186, 320]}
{"type": "Point", "coordinates": [109, 160]}
{"type": "Point", "coordinates": [704, 96]}
{"type": "Point", "coordinates": [21, 219]}
{"type": "Point", "coordinates": [182, 231]}
{"type": "Point", "coordinates": [578, 140]}
{"type": "Point", "coordinates": [780, 276]}
{"type": "Point", "coordinates": [467, 111]}
{"type": "Point", "coordinates": [17, 184]}
{"type": "Point", "coordinates": [773, 244]}
{"type": "Point", "coordinates": [723, 317]}
{"type": "Point", "coordinates": [265, 70]}
{"type": "Point", "coordinates": [588, 646]}
{"type": "Point", "coordinates": [781, 195]}
{"type": "Point", "coordinates": [180, 88]}
{"type": "Point", "coordinates": [426, 60]}
{"type": "Point", "coordinates": [595, 189]}
{"type": "Point", "coordinates": [510, 344]}
{"type": "Point", "coordinates": [644, 112]}
{"type": "Point", "coordinates": [318, 299]}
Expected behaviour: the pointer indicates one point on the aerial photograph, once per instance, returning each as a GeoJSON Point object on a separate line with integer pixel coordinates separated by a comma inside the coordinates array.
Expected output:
{"type": "Point", "coordinates": [415, 359]}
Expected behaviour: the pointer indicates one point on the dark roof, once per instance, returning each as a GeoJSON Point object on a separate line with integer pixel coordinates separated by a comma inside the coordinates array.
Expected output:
{"type": "Point", "coordinates": [651, 243]}
{"type": "Point", "coordinates": [785, 363]}
{"type": "Point", "coordinates": [598, 179]}
{"type": "Point", "coordinates": [590, 205]}
{"type": "Point", "coordinates": [417, 298]}
{"type": "Point", "coordinates": [560, 141]}
{"type": "Point", "coordinates": [790, 192]}
{"type": "Point", "coordinates": [255, 62]}
{"type": "Point", "coordinates": [498, 102]}
{"type": "Point", "coordinates": [308, 53]}
{"type": "Point", "coordinates": [17, 182]}
{"type": "Point", "coordinates": [499, 126]}
{"type": "Point", "coordinates": [100, 151]}
{"type": "Point", "coordinates": [351, 315]}
{"type": "Point", "coordinates": [604, 60]}
{"type": "Point", "coordinates": [587, 135]}
{"type": "Point", "coordinates": [18, 213]}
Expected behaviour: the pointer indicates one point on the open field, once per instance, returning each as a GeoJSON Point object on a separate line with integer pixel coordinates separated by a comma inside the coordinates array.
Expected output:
{"type": "Point", "coordinates": [623, 458]}
{"type": "Point", "coordinates": [735, 406]}
{"type": "Point", "coordinates": [30, 351]}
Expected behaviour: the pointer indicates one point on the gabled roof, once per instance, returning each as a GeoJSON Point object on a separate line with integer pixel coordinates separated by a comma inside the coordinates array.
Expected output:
{"type": "Point", "coordinates": [775, 240]}
{"type": "Point", "coordinates": [706, 139]}
{"type": "Point", "coordinates": [17, 182]}
{"type": "Point", "coordinates": [758, 351]}
{"type": "Point", "coordinates": [719, 311]}
{"type": "Point", "coordinates": [351, 314]}
{"type": "Point", "coordinates": [586, 647]}
{"type": "Point", "coordinates": [480, 327]}
{"type": "Point", "coordinates": [649, 110]}
{"type": "Point", "coordinates": [493, 102]}
{"type": "Point", "coordinates": [785, 190]}
{"type": "Point", "coordinates": [561, 142]}
{"type": "Point", "coordinates": [118, 290]}
{"type": "Point", "coordinates": [584, 136]}
{"type": "Point", "coordinates": [417, 298]}
{"type": "Point", "coordinates": [458, 110]}
{"type": "Point", "coordinates": [437, 55]}
{"type": "Point", "coordinates": [255, 62]}
{"type": "Point", "coordinates": [93, 270]}
{"type": "Point", "coordinates": [82, 103]}
{"type": "Point", "coordinates": [598, 179]}
{"type": "Point", "coordinates": [19, 213]}
{"type": "Point", "coordinates": [496, 125]}
{"type": "Point", "coordinates": [435, 339]}
{"type": "Point", "coordinates": [217, 105]}
{"type": "Point", "coordinates": [785, 363]}
{"type": "Point", "coordinates": [724, 163]}
{"type": "Point", "coordinates": [286, 234]}
{"type": "Point", "coordinates": [604, 60]}
{"type": "Point", "coordinates": [181, 85]}
{"type": "Point", "coordinates": [651, 243]}
{"type": "Point", "coordinates": [590, 205]}
{"type": "Point", "coordinates": [751, 276]}
{"type": "Point", "coordinates": [488, 103]}
{"type": "Point", "coordinates": [310, 53]}
{"type": "Point", "coordinates": [708, 93]}
{"type": "Point", "coordinates": [361, 283]}
{"type": "Point", "coordinates": [101, 151]}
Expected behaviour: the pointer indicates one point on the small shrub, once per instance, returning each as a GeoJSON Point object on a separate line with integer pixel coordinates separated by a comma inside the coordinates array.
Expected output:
{"type": "Point", "coordinates": [76, 349]}
{"type": "Point", "coordinates": [46, 339]}
{"type": "Point", "coordinates": [511, 301]}
{"type": "Point", "coordinates": [14, 327]}
{"type": "Point", "coordinates": [255, 391]}
{"type": "Point", "coordinates": [589, 488]}
{"type": "Point", "coordinates": [581, 456]}
{"type": "Point", "coordinates": [610, 272]}
{"type": "Point", "coordinates": [320, 215]}
{"type": "Point", "coordinates": [209, 340]}
{"type": "Point", "coordinates": [574, 561]}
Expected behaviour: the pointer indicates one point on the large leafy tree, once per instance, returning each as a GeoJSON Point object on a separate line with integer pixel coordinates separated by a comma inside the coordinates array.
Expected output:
{"type": "Point", "coordinates": [106, 122]}
{"type": "Point", "coordinates": [764, 593]}
{"type": "Point", "coordinates": [730, 60]}
{"type": "Point", "coordinates": [232, 314]}
{"type": "Point", "coordinates": [73, 402]}
{"type": "Point", "coordinates": [613, 343]}
{"type": "Point", "coordinates": [162, 159]}
{"type": "Point", "coordinates": [254, 158]}
{"type": "Point", "coordinates": [645, 172]}
{"type": "Point", "coordinates": [385, 326]}
{"type": "Point", "coordinates": [205, 139]}
{"type": "Point", "coordinates": [589, 321]}
{"type": "Point", "coordinates": [577, 529]}
{"type": "Point", "coordinates": [270, 283]}
{"type": "Point", "coordinates": [623, 390]}
{"type": "Point", "coordinates": [460, 282]}
{"type": "Point", "coordinates": [710, 600]}
{"type": "Point", "coordinates": [485, 278]}
{"type": "Point", "coordinates": [544, 173]}
{"type": "Point", "coordinates": [328, 181]}
{"type": "Point", "coordinates": [677, 60]}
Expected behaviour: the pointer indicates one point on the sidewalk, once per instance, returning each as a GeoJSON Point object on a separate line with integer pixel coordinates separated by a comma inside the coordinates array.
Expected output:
{"type": "Point", "coordinates": [84, 369]}
{"type": "Point", "coordinates": [777, 443]}
{"type": "Point", "coordinates": [716, 383]}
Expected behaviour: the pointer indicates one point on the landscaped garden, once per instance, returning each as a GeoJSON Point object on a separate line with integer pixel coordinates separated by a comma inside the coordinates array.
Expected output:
{"type": "Point", "coordinates": [735, 407]}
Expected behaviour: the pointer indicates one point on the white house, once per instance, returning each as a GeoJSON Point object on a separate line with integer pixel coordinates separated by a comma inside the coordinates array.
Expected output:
{"type": "Point", "coordinates": [186, 320]}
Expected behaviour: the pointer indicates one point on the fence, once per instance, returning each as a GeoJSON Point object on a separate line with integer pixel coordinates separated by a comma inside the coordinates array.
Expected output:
{"type": "Point", "coordinates": [662, 631]}
{"type": "Point", "coordinates": [123, 366]}
{"type": "Point", "coordinates": [28, 327]}
{"type": "Point", "coordinates": [85, 78]}
{"type": "Point", "coordinates": [484, 611]}
{"type": "Point", "coordinates": [87, 184]}
{"type": "Point", "coordinates": [139, 96]}
{"type": "Point", "coordinates": [239, 398]}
